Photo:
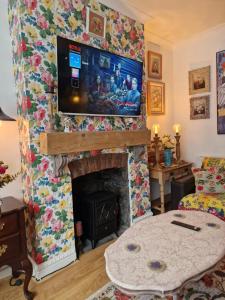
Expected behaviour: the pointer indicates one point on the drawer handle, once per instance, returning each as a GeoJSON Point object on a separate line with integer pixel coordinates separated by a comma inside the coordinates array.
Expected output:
{"type": "Point", "coordinates": [2, 225]}
{"type": "Point", "coordinates": [3, 249]}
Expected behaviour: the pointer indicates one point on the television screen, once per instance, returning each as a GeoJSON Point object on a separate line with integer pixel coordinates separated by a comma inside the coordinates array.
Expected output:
{"type": "Point", "coordinates": [97, 82]}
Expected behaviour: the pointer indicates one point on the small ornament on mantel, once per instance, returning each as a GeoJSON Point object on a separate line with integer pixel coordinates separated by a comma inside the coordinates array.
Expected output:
{"type": "Point", "coordinates": [66, 122]}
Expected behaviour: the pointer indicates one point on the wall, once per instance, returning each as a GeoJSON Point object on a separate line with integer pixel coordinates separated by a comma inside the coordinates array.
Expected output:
{"type": "Point", "coordinates": [34, 27]}
{"type": "Point", "coordinates": [9, 135]}
{"type": "Point", "coordinates": [159, 45]}
{"type": "Point", "coordinates": [199, 137]}
{"type": "Point", "coordinates": [156, 44]}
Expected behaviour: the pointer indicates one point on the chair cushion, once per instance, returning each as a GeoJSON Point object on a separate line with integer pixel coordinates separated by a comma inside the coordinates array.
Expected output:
{"type": "Point", "coordinates": [209, 180]}
{"type": "Point", "coordinates": [212, 203]}
{"type": "Point", "coordinates": [213, 162]}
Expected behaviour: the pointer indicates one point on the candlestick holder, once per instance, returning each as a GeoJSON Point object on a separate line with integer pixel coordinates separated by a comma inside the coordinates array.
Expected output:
{"type": "Point", "coordinates": [177, 137]}
{"type": "Point", "coordinates": [156, 143]}
{"type": "Point", "coordinates": [50, 99]}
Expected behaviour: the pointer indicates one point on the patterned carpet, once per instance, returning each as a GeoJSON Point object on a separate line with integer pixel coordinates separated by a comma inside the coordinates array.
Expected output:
{"type": "Point", "coordinates": [210, 287]}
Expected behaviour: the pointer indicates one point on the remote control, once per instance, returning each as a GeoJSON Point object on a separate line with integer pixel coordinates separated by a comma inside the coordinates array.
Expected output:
{"type": "Point", "coordinates": [195, 228]}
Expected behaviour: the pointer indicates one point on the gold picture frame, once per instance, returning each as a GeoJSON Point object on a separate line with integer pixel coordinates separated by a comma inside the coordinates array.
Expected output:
{"type": "Point", "coordinates": [154, 65]}
{"type": "Point", "coordinates": [155, 98]}
{"type": "Point", "coordinates": [199, 108]}
{"type": "Point", "coordinates": [199, 81]}
{"type": "Point", "coordinates": [95, 23]}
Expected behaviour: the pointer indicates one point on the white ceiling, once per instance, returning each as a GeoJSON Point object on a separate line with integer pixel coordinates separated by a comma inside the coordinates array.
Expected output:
{"type": "Point", "coordinates": [173, 20]}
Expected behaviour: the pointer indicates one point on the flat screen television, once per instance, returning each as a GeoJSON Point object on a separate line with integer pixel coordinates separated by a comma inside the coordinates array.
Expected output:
{"type": "Point", "coordinates": [96, 82]}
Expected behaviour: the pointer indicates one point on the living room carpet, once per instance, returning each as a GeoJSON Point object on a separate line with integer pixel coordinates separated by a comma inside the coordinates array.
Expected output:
{"type": "Point", "coordinates": [210, 287]}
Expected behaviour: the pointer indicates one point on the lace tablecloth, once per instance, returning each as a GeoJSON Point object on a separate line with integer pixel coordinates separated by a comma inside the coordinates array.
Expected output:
{"type": "Point", "coordinates": [155, 255]}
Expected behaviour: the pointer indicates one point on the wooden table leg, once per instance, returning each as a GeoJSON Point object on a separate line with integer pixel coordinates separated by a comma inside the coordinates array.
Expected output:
{"type": "Point", "coordinates": [27, 267]}
{"type": "Point", "coordinates": [162, 193]}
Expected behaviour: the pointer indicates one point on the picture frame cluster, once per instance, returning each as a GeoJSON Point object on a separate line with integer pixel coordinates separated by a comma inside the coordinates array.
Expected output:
{"type": "Point", "coordinates": [199, 83]}
{"type": "Point", "coordinates": [155, 88]}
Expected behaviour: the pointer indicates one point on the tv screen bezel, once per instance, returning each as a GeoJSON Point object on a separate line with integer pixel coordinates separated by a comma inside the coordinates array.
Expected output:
{"type": "Point", "coordinates": [90, 114]}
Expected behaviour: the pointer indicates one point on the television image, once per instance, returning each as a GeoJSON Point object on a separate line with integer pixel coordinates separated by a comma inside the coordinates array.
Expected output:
{"type": "Point", "coordinates": [96, 82]}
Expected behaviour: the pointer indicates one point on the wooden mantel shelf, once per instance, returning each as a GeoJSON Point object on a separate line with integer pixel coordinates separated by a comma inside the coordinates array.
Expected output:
{"type": "Point", "coordinates": [53, 143]}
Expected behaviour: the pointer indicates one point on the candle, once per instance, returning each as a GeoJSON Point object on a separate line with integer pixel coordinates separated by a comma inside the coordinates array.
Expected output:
{"type": "Point", "coordinates": [176, 128]}
{"type": "Point", "coordinates": [155, 128]}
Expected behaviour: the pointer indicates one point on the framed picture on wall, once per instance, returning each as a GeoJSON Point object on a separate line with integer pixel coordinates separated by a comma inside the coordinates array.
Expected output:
{"type": "Point", "coordinates": [199, 81]}
{"type": "Point", "coordinates": [155, 98]}
{"type": "Point", "coordinates": [154, 65]}
{"type": "Point", "coordinates": [220, 76]}
{"type": "Point", "coordinates": [96, 23]}
{"type": "Point", "coordinates": [199, 108]}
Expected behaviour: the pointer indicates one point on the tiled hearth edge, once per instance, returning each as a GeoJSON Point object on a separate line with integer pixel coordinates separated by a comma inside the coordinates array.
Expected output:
{"type": "Point", "coordinates": [34, 26]}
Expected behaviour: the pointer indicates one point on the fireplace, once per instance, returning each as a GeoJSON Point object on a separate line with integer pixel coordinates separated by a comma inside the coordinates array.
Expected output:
{"type": "Point", "coordinates": [101, 198]}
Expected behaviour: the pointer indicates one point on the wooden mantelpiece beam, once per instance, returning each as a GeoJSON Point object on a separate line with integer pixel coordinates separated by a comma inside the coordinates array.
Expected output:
{"type": "Point", "coordinates": [53, 143]}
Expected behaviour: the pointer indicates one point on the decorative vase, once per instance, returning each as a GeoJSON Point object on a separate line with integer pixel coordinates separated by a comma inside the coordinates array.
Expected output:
{"type": "Point", "coordinates": [168, 157]}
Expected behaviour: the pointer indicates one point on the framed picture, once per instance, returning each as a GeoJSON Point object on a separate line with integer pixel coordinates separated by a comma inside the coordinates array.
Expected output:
{"type": "Point", "coordinates": [96, 23]}
{"type": "Point", "coordinates": [199, 81]}
{"type": "Point", "coordinates": [154, 65]}
{"type": "Point", "coordinates": [199, 108]}
{"type": "Point", "coordinates": [155, 98]}
{"type": "Point", "coordinates": [220, 76]}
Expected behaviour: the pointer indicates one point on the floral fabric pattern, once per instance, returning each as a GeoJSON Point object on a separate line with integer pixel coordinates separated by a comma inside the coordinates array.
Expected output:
{"type": "Point", "coordinates": [211, 203]}
{"type": "Point", "coordinates": [213, 162]}
{"type": "Point", "coordinates": [209, 180]}
{"type": "Point", "coordinates": [34, 26]}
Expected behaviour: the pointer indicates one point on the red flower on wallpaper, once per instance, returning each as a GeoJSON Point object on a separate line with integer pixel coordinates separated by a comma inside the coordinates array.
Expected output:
{"type": "Point", "coordinates": [36, 208]}
{"type": "Point", "coordinates": [30, 156]}
{"type": "Point", "coordinates": [133, 35]}
{"type": "Point", "coordinates": [26, 103]}
{"type": "Point", "coordinates": [31, 4]}
{"type": "Point", "coordinates": [39, 258]}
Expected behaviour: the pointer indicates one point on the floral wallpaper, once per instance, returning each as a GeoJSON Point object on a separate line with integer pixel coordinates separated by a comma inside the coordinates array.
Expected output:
{"type": "Point", "coordinates": [34, 26]}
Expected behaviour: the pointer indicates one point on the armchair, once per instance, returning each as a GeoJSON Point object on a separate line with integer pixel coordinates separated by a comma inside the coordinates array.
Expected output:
{"type": "Point", "coordinates": [210, 202]}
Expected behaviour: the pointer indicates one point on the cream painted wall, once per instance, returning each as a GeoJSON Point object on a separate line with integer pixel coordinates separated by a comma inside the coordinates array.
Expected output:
{"type": "Point", "coordinates": [9, 138]}
{"type": "Point", "coordinates": [199, 137]}
{"type": "Point", "coordinates": [158, 45]}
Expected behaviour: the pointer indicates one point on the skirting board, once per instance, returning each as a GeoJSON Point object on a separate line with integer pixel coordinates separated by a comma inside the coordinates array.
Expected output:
{"type": "Point", "coordinates": [5, 272]}
{"type": "Point", "coordinates": [52, 265]}
{"type": "Point", "coordinates": [148, 214]}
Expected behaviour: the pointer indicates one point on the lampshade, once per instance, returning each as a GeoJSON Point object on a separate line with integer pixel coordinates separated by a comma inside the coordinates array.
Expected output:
{"type": "Point", "coordinates": [4, 117]}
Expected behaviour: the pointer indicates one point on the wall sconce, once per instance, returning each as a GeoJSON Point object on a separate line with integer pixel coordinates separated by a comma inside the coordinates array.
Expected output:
{"type": "Point", "coordinates": [177, 129]}
{"type": "Point", "coordinates": [156, 142]}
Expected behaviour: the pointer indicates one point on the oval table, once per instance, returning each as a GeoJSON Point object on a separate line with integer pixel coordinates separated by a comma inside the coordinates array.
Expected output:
{"type": "Point", "coordinates": [158, 258]}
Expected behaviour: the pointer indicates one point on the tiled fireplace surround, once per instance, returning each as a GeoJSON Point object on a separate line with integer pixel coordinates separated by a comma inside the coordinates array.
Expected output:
{"type": "Point", "coordinates": [47, 187]}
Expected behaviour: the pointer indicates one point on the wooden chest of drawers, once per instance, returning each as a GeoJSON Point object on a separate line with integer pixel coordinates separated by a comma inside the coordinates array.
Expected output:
{"type": "Point", "coordinates": [13, 249]}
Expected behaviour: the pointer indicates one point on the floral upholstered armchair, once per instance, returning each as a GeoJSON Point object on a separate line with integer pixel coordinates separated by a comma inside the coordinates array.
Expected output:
{"type": "Point", "coordinates": [210, 188]}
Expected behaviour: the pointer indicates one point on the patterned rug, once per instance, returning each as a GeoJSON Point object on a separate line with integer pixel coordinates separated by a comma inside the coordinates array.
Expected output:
{"type": "Point", "coordinates": [210, 287]}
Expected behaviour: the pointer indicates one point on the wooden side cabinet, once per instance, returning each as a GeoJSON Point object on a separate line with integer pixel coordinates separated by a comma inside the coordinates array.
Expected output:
{"type": "Point", "coordinates": [13, 249]}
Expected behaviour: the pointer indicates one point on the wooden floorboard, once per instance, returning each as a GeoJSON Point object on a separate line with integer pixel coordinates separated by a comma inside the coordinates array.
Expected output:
{"type": "Point", "coordinates": [75, 282]}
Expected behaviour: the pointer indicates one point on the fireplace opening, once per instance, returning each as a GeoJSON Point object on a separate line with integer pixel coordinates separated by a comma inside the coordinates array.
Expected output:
{"type": "Point", "coordinates": [101, 207]}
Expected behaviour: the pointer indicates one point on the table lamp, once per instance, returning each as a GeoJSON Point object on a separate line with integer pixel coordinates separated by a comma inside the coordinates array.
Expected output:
{"type": "Point", "coordinates": [4, 117]}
